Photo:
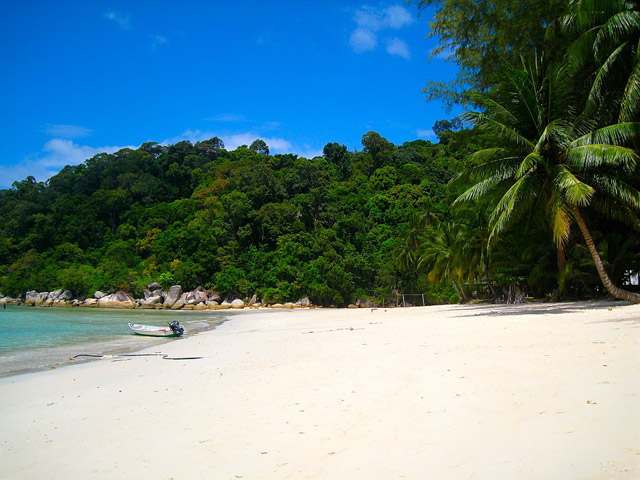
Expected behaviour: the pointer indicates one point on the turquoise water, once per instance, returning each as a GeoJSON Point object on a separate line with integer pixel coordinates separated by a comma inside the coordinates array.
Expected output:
{"type": "Point", "coordinates": [36, 338]}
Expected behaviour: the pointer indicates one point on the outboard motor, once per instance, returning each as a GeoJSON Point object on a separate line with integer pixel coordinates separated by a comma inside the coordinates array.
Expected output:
{"type": "Point", "coordinates": [175, 327]}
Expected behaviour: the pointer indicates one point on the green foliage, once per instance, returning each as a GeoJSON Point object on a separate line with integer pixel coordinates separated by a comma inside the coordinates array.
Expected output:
{"type": "Point", "coordinates": [239, 222]}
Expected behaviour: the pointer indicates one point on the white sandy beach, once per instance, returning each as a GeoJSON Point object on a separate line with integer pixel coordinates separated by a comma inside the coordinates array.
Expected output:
{"type": "Point", "coordinates": [454, 392]}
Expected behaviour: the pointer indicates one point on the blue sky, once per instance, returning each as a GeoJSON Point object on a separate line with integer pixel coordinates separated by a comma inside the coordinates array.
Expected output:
{"type": "Point", "coordinates": [81, 78]}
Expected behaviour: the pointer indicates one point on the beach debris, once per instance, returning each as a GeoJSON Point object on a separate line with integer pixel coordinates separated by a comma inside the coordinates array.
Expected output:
{"type": "Point", "coordinates": [591, 402]}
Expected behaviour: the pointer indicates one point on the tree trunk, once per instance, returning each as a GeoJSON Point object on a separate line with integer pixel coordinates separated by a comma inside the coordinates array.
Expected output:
{"type": "Point", "coordinates": [616, 292]}
{"type": "Point", "coordinates": [453, 282]}
{"type": "Point", "coordinates": [464, 294]}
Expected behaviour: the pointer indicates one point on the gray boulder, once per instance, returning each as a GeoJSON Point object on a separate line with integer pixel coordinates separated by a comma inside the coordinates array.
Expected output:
{"type": "Point", "coordinates": [174, 293]}
{"type": "Point", "coordinates": [30, 297]}
{"type": "Point", "coordinates": [215, 297]}
{"type": "Point", "coordinates": [122, 300]}
{"type": "Point", "coordinates": [303, 302]}
{"type": "Point", "coordinates": [98, 295]}
{"type": "Point", "coordinates": [237, 303]}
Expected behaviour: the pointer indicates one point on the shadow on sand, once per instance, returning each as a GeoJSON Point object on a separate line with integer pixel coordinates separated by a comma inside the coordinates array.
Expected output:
{"type": "Point", "coordinates": [543, 308]}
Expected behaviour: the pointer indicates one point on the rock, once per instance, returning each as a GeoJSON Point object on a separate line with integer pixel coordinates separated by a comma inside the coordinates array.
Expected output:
{"type": "Point", "coordinates": [43, 300]}
{"type": "Point", "coordinates": [146, 293]}
{"type": "Point", "coordinates": [200, 295]}
{"type": "Point", "coordinates": [364, 303]}
{"type": "Point", "coordinates": [98, 295]}
{"type": "Point", "coordinates": [104, 301]}
{"type": "Point", "coordinates": [212, 304]}
{"type": "Point", "coordinates": [66, 296]}
{"type": "Point", "coordinates": [253, 300]}
{"type": "Point", "coordinates": [153, 286]}
{"type": "Point", "coordinates": [152, 302]}
{"type": "Point", "coordinates": [303, 302]}
{"type": "Point", "coordinates": [122, 300]}
{"type": "Point", "coordinates": [215, 297]}
{"type": "Point", "coordinates": [351, 305]}
{"type": "Point", "coordinates": [173, 295]}
{"type": "Point", "coordinates": [237, 303]}
{"type": "Point", "coordinates": [155, 300]}
{"type": "Point", "coordinates": [289, 305]}
{"type": "Point", "coordinates": [177, 305]}
{"type": "Point", "coordinates": [30, 297]}
{"type": "Point", "coordinates": [90, 302]}
{"type": "Point", "coordinates": [200, 306]}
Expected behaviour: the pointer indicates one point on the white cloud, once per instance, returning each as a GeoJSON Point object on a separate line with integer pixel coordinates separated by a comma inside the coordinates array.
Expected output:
{"type": "Point", "coordinates": [158, 40]}
{"type": "Point", "coordinates": [368, 19]}
{"type": "Point", "coordinates": [397, 17]}
{"type": "Point", "coordinates": [234, 140]}
{"type": "Point", "coordinates": [276, 145]}
{"type": "Point", "coordinates": [56, 153]}
{"type": "Point", "coordinates": [191, 135]}
{"type": "Point", "coordinates": [60, 152]}
{"type": "Point", "coordinates": [67, 131]}
{"type": "Point", "coordinates": [398, 47]}
{"type": "Point", "coordinates": [363, 40]}
{"type": "Point", "coordinates": [428, 134]}
{"type": "Point", "coordinates": [371, 22]}
{"type": "Point", "coordinates": [122, 20]}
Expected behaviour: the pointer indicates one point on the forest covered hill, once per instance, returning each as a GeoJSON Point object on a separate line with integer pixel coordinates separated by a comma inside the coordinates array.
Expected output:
{"type": "Point", "coordinates": [239, 222]}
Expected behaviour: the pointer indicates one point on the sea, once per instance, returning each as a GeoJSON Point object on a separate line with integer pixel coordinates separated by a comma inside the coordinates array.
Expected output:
{"type": "Point", "coordinates": [33, 339]}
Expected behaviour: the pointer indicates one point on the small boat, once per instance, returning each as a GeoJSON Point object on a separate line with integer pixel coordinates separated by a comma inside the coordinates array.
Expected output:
{"type": "Point", "coordinates": [173, 330]}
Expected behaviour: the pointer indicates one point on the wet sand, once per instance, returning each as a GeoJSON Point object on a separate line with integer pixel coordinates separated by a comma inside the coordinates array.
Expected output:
{"type": "Point", "coordinates": [485, 392]}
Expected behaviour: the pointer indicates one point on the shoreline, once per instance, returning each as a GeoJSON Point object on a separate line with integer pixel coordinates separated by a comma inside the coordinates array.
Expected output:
{"type": "Point", "coordinates": [61, 356]}
{"type": "Point", "coordinates": [482, 391]}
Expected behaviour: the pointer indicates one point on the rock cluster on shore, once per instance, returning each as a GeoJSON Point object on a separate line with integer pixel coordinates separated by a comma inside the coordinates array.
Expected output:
{"type": "Point", "coordinates": [155, 297]}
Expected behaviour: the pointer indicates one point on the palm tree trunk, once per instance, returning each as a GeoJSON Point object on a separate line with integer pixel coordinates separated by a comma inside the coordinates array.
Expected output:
{"type": "Point", "coordinates": [616, 292]}
{"type": "Point", "coordinates": [453, 282]}
{"type": "Point", "coordinates": [464, 294]}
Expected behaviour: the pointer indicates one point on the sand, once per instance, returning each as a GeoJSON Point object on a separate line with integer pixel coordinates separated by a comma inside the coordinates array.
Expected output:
{"type": "Point", "coordinates": [546, 391]}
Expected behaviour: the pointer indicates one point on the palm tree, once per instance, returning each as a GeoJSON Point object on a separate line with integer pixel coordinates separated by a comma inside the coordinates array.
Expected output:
{"type": "Point", "coordinates": [550, 160]}
{"type": "Point", "coordinates": [605, 51]}
{"type": "Point", "coordinates": [442, 254]}
{"type": "Point", "coordinates": [408, 252]}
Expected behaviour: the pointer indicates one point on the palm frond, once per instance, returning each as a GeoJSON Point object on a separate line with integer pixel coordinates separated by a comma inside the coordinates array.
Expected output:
{"type": "Point", "coordinates": [630, 108]}
{"type": "Point", "coordinates": [596, 155]}
{"type": "Point", "coordinates": [479, 190]}
{"type": "Point", "coordinates": [619, 26]}
{"type": "Point", "coordinates": [529, 163]}
{"type": "Point", "coordinates": [560, 221]}
{"type": "Point", "coordinates": [515, 200]}
{"type": "Point", "coordinates": [502, 168]}
{"type": "Point", "coordinates": [575, 191]}
{"type": "Point", "coordinates": [493, 108]}
{"type": "Point", "coordinates": [617, 190]}
{"type": "Point", "coordinates": [604, 72]}
{"type": "Point", "coordinates": [501, 130]}
{"type": "Point", "coordinates": [618, 134]}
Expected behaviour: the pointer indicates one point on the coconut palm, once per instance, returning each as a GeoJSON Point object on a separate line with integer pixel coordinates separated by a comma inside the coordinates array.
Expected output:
{"type": "Point", "coordinates": [441, 256]}
{"type": "Point", "coordinates": [408, 252]}
{"type": "Point", "coordinates": [550, 160]}
{"type": "Point", "coordinates": [605, 52]}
